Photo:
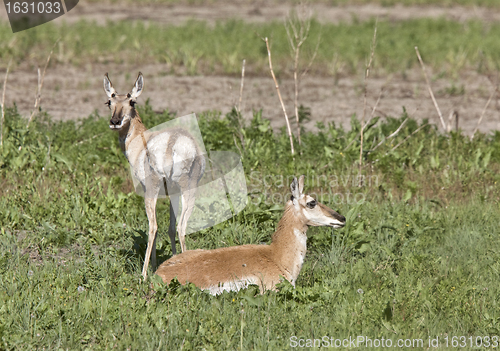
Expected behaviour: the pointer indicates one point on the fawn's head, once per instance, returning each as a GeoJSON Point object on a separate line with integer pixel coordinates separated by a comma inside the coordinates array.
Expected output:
{"type": "Point", "coordinates": [312, 212]}
{"type": "Point", "coordinates": [122, 106]}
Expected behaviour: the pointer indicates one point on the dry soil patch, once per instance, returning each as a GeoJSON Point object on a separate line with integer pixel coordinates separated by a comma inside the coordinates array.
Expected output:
{"type": "Point", "coordinates": [72, 93]}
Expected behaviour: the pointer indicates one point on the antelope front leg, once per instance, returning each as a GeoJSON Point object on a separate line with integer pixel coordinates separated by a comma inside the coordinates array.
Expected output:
{"type": "Point", "coordinates": [150, 203]}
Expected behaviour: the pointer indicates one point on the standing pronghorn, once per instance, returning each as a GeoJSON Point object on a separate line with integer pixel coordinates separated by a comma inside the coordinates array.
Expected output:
{"type": "Point", "coordinates": [170, 158]}
{"type": "Point", "coordinates": [233, 268]}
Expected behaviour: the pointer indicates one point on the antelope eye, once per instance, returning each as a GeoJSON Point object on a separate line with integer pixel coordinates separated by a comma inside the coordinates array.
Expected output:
{"type": "Point", "coordinates": [311, 204]}
{"type": "Point", "coordinates": [132, 103]}
{"type": "Point", "coordinates": [128, 95]}
{"type": "Point", "coordinates": [113, 95]}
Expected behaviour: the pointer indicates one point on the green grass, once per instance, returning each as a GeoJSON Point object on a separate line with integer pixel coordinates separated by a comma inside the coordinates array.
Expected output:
{"type": "Point", "coordinates": [418, 258]}
{"type": "Point", "coordinates": [198, 48]}
{"type": "Point", "coordinates": [444, 3]}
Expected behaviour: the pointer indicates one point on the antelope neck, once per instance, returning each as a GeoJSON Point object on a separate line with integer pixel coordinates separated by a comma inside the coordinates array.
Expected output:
{"type": "Point", "coordinates": [289, 243]}
{"type": "Point", "coordinates": [135, 129]}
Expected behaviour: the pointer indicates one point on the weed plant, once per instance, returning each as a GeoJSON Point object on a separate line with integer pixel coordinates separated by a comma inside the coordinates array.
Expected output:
{"type": "Point", "coordinates": [419, 257]}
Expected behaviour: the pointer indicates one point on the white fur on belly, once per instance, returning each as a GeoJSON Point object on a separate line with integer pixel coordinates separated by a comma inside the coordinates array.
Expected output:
{"type": "Point", "coordinates": [233, 285]}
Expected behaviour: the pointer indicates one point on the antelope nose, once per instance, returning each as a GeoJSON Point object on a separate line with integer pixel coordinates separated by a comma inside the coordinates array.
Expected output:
{"type": "Point", "coordinates": [340, 220]}
{"type": "Point", "coordinates": [114, 122]}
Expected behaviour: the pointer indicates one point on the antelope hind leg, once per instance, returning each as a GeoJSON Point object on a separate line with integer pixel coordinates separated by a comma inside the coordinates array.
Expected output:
{"type": "Point", "coordinates": [174, 207]}
{"type": "Point", "coordinates": [188, 200]}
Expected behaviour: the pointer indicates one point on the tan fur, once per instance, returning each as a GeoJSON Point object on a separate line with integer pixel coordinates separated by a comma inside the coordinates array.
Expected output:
{"type": "Point", "coordinates": [151, 158]}
{"type": "Point", "coordinates": [232, 268]}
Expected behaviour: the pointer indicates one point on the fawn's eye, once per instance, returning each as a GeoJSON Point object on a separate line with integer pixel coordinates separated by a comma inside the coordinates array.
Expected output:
{"type": "Point", "coordinates": [311, 204]}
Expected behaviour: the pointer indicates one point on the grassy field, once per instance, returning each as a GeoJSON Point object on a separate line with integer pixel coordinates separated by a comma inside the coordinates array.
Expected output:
{"type": "Point", "coordinates": [198, 48]}
{"type": "Point", "coordinates": [444, 3]}
{"type": "Point", "coordinates": [418, 259]}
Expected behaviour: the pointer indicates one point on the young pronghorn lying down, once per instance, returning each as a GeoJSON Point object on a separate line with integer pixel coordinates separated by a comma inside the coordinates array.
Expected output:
{"type": "Point", "coordinates": [233, 268]}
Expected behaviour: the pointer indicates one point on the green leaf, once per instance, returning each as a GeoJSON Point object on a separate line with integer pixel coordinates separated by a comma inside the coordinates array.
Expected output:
{"type": "Point", "coordinates": [329, 152]}
{"type": "Point", "coordinates": [60, 158]}
{"type": "Point", "coordinates": [407, 195]}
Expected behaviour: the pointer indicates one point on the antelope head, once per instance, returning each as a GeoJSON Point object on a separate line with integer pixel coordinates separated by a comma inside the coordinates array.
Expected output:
{"type": "Point", "coordinates": [122, 106]}
{"type": "Point", "coordinates": [312, 212]}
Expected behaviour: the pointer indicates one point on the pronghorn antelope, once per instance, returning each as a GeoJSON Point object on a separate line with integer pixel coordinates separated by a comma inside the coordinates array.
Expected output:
{"type": "Point", "coordinates": [170, 159]}
{"type": "Point", "coordinates": [233, 268]}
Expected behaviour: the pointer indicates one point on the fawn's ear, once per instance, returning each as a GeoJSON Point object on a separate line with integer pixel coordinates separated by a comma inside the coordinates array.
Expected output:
{"type": "Point", "coordinates": [294, 187]}
{"type": "Point", "coordinates": [138, 86]}
{"type": "Point", "coordinates": [108, 87]}
{"type": "Point", "coordinates": [301, 184]}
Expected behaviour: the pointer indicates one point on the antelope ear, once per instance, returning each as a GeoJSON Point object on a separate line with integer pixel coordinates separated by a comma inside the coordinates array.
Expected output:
{"type": "Point", "coordinates": [138, 86]}
{"type": "Point", "coordinates": [301, 184]}
{"type": "Point", "coordinates": [294, 187]}
{"type": "Point", "coordinates": [108, 86]}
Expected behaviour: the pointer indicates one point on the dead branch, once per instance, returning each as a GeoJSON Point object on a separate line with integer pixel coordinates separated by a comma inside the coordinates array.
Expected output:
{"type": "Point", "coordinates": [408, 137]}
{"type": "Point", "coordinates": [239, 114]}
{"type": "Point", "coordinates": [374, 109]}
{"type": "Point", "coordinates": [236, 144]}
{"type": "Point", "coordinates": [279, 95]}
{"type": "Point", "coordinates": [302, 75]}
{"type": "Point", "coordinates": [397, 130]}
{"type": "Point", "coordinates": [297, 37]}
{"type": "Point", "coordinates": [241, 86]}
{"type": "Point", "coordinates": [430, 89]}
{"type": "Point", "coordinates": [483, 112]}
{"type": "Point", "coordinates": [41, 78]}
{"type": "Point", "coordinates": [90, 139]}
{"type": "Point", "coordinates": [453, 113]}
{"type": "Point", "coordinates": [367, 73]}
{"type": "Point", "coordinates": [392, 135]}
{"type": "Point", "coordinates": [3, 101]}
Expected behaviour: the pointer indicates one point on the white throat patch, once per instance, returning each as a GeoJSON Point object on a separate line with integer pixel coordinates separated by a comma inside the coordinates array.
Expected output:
{"type": "Point", "coordinates": [301, 237]}
{"type": "Point", "coordinates": [300, 254]}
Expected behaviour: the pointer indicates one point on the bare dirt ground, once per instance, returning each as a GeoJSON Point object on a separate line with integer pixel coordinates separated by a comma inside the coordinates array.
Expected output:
{"type": "Point", "coordinates": [71, 93]}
